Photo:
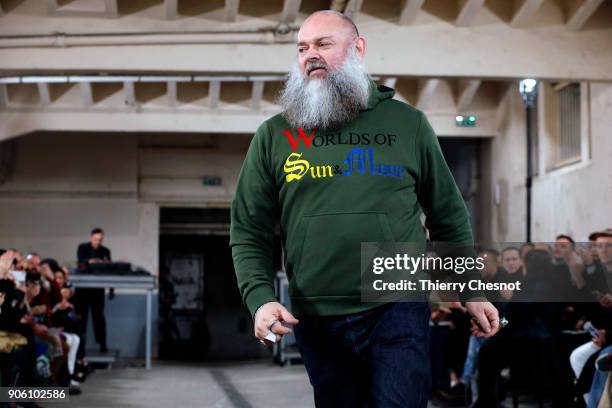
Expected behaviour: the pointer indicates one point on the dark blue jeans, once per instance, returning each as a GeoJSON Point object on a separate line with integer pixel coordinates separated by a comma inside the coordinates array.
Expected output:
{"type": "Point", "coordinates": [377, 358]}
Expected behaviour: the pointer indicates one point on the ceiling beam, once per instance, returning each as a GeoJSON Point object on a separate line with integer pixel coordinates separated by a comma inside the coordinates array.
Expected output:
{"type": "Point", "coordinates": [290, 11]}
{"type": "Point", "coordinates": [582, 14]}
{"type": "Point", "coordinates": [129, 95]}
{"type": "Point", "coordinates": [524, 10]}
{"type": "Point", "coordinates": [3, 95]}
{"type": "Point", "coordinates": [577, 56]}
{"type": "Point", "coordinates": [466, 91]}
{"type": "Point", "coordinates": [352, 8]}
{"type": "Point", "coordinates": [214, 94]}
{"type": "Point", "coordinates": [86, 93]}
{"type": "Point", "coordinates": [170, 9]}
{"type": "Point", "coordinates": [257, 94]}
{"type": "Point", "coordinates": [111, 8]}
{"type": "Point", "coordinates": [52, 7]}
{"type": "Point", "coordinates": [390, 82]}
{"type": "Point", "coordinates": [410, 9]}
{"type": "Point", "coordinates": [231, 10]}
{"type": "Point", "coordinates": [468, 9]}
{"type": "Point", "coordinates": [171, 93]}
{"type": "Point", "coordinates": [43, 93]}
{"type": "Point", "coordinates": [224, 78]}
{"type": "Point", "coordinates": [17, 123]}
{"type": "Point", "coordinates": [427, 89]}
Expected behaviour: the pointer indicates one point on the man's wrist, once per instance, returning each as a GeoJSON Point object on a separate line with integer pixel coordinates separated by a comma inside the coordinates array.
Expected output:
{"type": "Point", "coordinates": [480, 298]}
{"type": "Point", "coordinates": [474, 299]}
{"type": "Point", "coordinates": [258, 297]}
{"type": "Point", "coordinates": [259, 307]}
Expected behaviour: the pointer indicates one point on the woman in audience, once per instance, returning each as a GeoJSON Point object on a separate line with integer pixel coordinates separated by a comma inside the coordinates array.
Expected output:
{"type": "Point", "coordinates": [64, 317]}
{"type": "Point", "coordinates": [18, 366]}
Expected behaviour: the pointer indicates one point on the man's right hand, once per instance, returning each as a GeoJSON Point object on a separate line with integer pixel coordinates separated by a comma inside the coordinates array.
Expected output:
{"type": "Point", "coordinates": [265, 317]}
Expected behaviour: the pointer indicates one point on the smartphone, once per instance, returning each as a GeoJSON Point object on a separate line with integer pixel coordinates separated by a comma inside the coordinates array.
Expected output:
{"type": "Point", "coordinates": [588, 326]}
{"type": "Point", "coordinates": [19, 277]}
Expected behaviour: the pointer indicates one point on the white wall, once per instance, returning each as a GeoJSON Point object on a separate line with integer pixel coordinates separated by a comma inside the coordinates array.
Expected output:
{"type": "Point", "coordinates": [574, 200]}
{"type": "Point", "coordinates": [506, 176]}
{"type": "Point", "coordinates": [55, 226]}
{"type": "Point", "coordinates": [577, 200]}
{"type": "Point", "coordinates": [172, 173]}
{"type": "Point", "coordinates": [64, 184]}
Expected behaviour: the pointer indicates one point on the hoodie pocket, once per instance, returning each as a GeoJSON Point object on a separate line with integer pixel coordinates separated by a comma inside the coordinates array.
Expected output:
{"type": "Point", "coordinates": [328, 259]}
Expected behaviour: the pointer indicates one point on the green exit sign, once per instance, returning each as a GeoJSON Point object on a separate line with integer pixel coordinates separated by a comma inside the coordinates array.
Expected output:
{"type": "Point", "coordinates": [465, 120]}
{"type": "Point", "coordinates": [211, 180]}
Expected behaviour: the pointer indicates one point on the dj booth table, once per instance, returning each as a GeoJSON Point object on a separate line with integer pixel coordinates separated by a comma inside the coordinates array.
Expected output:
{"type": "Point", "coordinates": [144, 282]}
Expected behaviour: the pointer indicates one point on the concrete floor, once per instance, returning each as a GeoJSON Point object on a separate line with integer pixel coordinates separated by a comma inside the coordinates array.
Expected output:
{"type": "Point", "coordinates": [233, 385]}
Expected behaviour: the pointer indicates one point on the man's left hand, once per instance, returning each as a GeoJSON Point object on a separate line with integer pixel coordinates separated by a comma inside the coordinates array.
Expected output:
{"type": "Point", "coordinates": [485, 318]}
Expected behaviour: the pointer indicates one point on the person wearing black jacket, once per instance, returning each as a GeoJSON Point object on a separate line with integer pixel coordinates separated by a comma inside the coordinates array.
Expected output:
{"type": "Point", "coordinates": [533, 323]}
{"type": "Point", "coordinates": [92, 298]}
{"type": "Point", "coordinates": [17, 368]}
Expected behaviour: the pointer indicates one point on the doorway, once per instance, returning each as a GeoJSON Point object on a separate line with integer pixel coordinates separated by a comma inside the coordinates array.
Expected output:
{"type": "Point", "coordinates": [202, 317]}
{"type": "Point", "coordinates": [462, 156]}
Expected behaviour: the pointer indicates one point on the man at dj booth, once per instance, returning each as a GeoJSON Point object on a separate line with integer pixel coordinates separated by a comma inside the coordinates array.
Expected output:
{"type": "Point", "coordinates": [88, 253]}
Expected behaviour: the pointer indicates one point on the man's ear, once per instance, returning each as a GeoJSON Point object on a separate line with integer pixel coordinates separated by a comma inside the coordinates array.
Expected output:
{"type": "Point", "coordinates": [361, 46]}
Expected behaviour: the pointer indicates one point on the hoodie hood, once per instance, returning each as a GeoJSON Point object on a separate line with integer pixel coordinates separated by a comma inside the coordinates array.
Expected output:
{"type": "Point", "coordinates": [378, 93]}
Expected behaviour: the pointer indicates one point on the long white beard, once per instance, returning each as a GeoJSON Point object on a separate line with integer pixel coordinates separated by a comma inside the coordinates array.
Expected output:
{"type": "Point", "coordinates": [328, 102]}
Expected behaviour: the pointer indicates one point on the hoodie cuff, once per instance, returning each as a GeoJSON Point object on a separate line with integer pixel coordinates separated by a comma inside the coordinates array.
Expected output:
{"type": "Point", "coordinates": [258, 296]}
{"type": "Point", "coordinates": [473, 296]}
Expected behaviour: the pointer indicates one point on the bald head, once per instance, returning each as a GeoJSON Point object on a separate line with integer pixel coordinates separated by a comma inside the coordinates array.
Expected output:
{"type": "Point", "coordinates": [337, 18]}
{"type": "Point", "coordinates": [325, 36]}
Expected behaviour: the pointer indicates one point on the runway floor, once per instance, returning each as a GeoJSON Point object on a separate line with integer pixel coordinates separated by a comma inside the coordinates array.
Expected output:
{"type": "Point", "coordinates": [257, 384]}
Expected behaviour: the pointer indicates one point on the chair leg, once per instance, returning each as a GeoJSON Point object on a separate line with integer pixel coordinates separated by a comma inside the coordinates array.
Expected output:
{"type": "Point", "coordinates": [515, 398]}
{"type": "Point", "coordinates": [514, 389]}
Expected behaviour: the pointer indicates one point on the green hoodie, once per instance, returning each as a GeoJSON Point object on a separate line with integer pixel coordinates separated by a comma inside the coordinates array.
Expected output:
{"type": "Point", "coordinates": [367, 182]}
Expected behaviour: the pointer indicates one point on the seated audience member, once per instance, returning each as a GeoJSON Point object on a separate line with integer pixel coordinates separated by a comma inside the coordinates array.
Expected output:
{"type": "Point", "coordinates": [594, 275]}
{"type": "Point", "coordinates": [599, 271]}
{"type": "Point", "coordinates": [490, 273]}
{"type": "Point", "coordinates": [48, 343]}
{"type": "Point", "coordinates": [61, 277]}
{"type": "Point", "coordinates": [543, 246]}
{"type": "Point", "coordinates": [569, 263]}
{"type": "Point", "coordinates": [450, 333]}
{"type": "Point", "coordinates": [597, 315]}
{"type": "Point", "coordinates": [34, 261]}
{"type": "Point", "coordinates": [512, 270]}
{"type": "Point", "coordinates": [52, 346]}
{"type": "Point", "coordinates": [64, 317]}
{"type": "Point", "coordinates": [601, 379]}
{"type": "Point", "coordinates": [493, 272]}
{"type": "Point", "coordinates": [525, 248]}
{"type": "Point", "coordinates": [531, 323]}
{"type": "Point", "coordinates": [457, 338]}
{"type": "Point", "coordinates": [583, 357]}
{"type": "Point", "coordinates": [604, 251]}
{"type": "Point", "coordinates": [33, 351]}
{"type": "Point", "coordinates": [50, 293]}
{"type": "Point", "coordinates": [18, 366]}
{"type": "Point", "coordinates": [603, 363]}
{"type": "Point", "coordinates": [72, 324]}
{"type": "Point", "coordinates": [12, 353]}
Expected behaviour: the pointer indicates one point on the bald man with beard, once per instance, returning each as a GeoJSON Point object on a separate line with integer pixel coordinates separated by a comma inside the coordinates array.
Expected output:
{"type": "Point", "coordinates": [342, 164]}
